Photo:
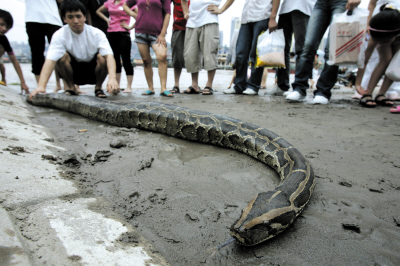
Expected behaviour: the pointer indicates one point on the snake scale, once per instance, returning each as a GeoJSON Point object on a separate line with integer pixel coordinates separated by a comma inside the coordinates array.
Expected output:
{"type": "Point", "coordinates": [268, 213]}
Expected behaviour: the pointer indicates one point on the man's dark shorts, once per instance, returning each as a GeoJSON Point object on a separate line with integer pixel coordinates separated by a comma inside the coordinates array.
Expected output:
{"type": "Point", "coordinates": [177, 47]}
{"type": "Point", "coordinates": [84, 72]}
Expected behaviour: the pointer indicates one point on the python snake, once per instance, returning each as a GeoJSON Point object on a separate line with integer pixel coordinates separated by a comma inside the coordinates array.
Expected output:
{"type": "Point", "coordinates": [268, 213]}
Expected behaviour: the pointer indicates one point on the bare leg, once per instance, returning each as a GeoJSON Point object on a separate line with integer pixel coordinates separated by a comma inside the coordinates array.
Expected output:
{"type": "Point", "coordinates": [118, 76]}
{"type": "Point", "coordinates": [37, 78]}
{"type": "Point", "coordinates": [177, 76]}
{"type": "Point", "coordinates": [161, 53]}
{"type": "Point", "coordinates": [58, 83]}
{"type": "Point", "coordinates": [129, 86]}
{"type": "Point", "coordinates": [210, 80]}
{"type": "Point", "coordinates": [3, 73]}
{"type": "Point", "coordinates": [101, 74]}
{"type": "Point", "coordinates": [63, 66]}
{"type": "Point", "coordinates": [264, 79]}
{"type": "Point", "coordinates": [144, 51]}
{"type": "Point", "coordinates": [233, 78]}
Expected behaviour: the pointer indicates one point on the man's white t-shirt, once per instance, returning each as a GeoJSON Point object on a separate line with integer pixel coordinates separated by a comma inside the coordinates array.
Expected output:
{"type": "Point", "coordinates": [83, 47]}
{"type": "Point", "coordinates": [198, 14]}
{"type": "Point", "coordinates": [304, 6]}
{"type": "Point", "coordinates": [256, 10]}
{"type": "Point", "coordinates": [42, 11]}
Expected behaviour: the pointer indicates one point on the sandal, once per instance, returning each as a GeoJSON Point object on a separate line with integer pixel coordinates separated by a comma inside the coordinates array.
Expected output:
{"type": "Point", "coordinates": [191, 90]}
{"type": "Point", "coordinates": [100, 93]}
{"type": "Point", "coordinates": [395, 110]}
{"type": "Point", "coordinates": [167, 94]}
{"type": "Point", "coordinates": [71, 93]}
{"type": "Point", "coordinates": [366, 102]}
{"type": "Point", "coordinates": [208, 91]}
{"type": "Point", "coordinates": [175, 89]}
{"type": "Point", "coordinates": [148, 92]}
{"type": "Point", "coordinates": [384, 102]}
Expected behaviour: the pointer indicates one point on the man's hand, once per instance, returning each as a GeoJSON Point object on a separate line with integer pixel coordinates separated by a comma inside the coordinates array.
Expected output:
{"type": "Point", "coordinates": [25, 88]}
{"type": "Point", "coordinates": [36, 91]}
{"type": "Point", "coordinates": [351, 4]}
{"type": "Point", "coordinates": [214, 9]}
{"type": "Point", "coordinates": [161, 40]}
{"type": "Point", "coordinates": [186, 15]}
{"type": "Point", "coordinates": [112, 86]}
{"type": "Point", "coordinates": [272, 25]}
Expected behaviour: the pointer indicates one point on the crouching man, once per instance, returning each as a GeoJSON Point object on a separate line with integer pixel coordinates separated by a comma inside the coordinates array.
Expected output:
{"type": "Point", "coordinates": [80, 53]}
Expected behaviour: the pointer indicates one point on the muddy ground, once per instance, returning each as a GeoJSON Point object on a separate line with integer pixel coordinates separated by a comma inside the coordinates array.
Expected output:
{"type": "Point", "coordinates": [183, 196]}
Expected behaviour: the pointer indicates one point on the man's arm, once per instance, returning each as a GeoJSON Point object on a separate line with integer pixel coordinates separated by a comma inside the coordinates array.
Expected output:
{"type": "Point", "coordinates": [112, 84]}
{"type": "Point", "coordinates": [216, 10]}
{"type": "Point", "coordinates": [185, 9]}
{"type": "Point", "coordinates": [272, 25]}
{"type": "Point", "coordinates": [45, 74]}
{"type": "Point", "coordinates": [19, 72]}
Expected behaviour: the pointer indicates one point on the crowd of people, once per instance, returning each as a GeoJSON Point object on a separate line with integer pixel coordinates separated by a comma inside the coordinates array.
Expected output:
{"type": "Point", "coordinates": [96, 36]}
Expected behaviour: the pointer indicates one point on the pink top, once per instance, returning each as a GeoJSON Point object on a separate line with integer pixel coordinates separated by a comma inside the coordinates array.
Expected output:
{"type": "Point", "coordinates": [117, 15]}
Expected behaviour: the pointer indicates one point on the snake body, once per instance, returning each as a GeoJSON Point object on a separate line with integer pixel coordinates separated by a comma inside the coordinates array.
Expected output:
{"type": "Point", "coordinates": [268, 213]}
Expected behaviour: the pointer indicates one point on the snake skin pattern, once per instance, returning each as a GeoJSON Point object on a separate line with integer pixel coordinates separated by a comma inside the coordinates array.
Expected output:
{"type": "Point", "coordinates": [269, 213]}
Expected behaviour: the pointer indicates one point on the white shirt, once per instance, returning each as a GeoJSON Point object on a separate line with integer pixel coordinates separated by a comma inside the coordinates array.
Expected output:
{"type": "Point", "coordinates": [379, 3]}
{"type": "Point", "coordinates": [198, 14]}
{"type": "Point", "coordinates": [256, 10]}
{"type": "Point", "coordinates": [82, 47]}
{"type": "Point", "coordinates": [305, 6]}
{"type": "Point", "coordinates": [42, 11]}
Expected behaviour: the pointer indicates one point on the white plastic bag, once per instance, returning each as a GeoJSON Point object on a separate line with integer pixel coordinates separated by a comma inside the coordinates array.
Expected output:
{"type": "Point", "coordinates": [393, 70]}
{"type": "Point", "coordinates": [271, 49]}
{"type": "Point", "coordinates": [346, 38]}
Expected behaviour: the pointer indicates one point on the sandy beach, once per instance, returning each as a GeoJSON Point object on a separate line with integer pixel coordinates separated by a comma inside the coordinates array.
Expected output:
{"type": "Point", "coordinates": [183, 196]}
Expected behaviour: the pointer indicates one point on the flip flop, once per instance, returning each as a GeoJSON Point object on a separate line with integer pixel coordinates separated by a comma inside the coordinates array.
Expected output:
{"type": "Point", "coordinates": [395, 110]}
{"type": "Point", "coordinates": [100, 93]}
{"type": "Point", "coordinates": [148, 92]}
{"type": "Point", "coordinates": [175, 89]}
{"type": "Point", "coordinates": [191, 91]}
{"type": "Point", "coordinates": [167, 94]}
{"type": "Point", "coordinates": [208, 91]}
{"type": "Point", "coordinates": [71, 93]}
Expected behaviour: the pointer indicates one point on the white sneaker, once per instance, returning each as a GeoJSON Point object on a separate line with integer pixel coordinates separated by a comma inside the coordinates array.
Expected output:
{"type": "Point", "coordinates": [286, 93]}
{"type": "Point", "coordinates": [230, 91]}
{"type": "Point", "coordinates": [249, 91]}
{"type": "Point", "coordinates": [318, 99]}
{"type": "Point", "coordinates": [295, 97]}
{"type": "Point", "coordinates": [276, 91]}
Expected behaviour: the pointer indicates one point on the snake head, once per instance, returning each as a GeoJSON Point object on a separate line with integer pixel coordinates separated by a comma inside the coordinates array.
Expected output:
{"type": "Point", "coordinates": [268, 214]}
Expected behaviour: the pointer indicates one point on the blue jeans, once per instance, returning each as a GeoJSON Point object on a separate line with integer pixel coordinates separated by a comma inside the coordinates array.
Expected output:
{"type": "Point", "coordinates": [246, 51]}
{"type": "Point", "coordinates": [293, 22]}
{"type": "Point", "coordinates": [320, 20]}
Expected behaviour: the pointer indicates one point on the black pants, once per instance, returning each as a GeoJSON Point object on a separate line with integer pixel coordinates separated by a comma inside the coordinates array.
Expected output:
{"type": "Point", "coordinates": [120, 43]}
{"type": "Point", "coordinates": [36, 35]}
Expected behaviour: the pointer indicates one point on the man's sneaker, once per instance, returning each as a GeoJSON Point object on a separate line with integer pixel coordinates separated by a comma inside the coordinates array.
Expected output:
{"type": "Point", "coordinates": [295, 96]}
{"type": "Point", "coordinates": [276, 91]}
{"type": "Point", "coordinates": [249, 91]}
{"type": "Point", "coordinates": [230, 91]}
{"type": "Point", "coordinates": [318, 99]}
{"type": "Point", "coordinates": [286, 93]}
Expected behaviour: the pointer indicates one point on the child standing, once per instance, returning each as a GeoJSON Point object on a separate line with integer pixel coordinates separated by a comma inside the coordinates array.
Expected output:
{"type": "Point", "coordinates": [6, 23]}
{"type": "Point", "coordinates": [119, 37]}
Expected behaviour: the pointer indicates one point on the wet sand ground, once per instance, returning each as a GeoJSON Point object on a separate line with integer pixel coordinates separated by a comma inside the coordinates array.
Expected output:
{"type": "Point", "coordinates": [183, 196]}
